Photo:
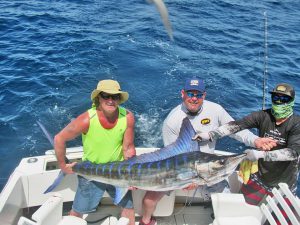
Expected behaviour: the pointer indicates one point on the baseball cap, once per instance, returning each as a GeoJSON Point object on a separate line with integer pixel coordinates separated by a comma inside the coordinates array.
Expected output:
{"type": "Point", "coordinates": [285, 89]}
{"type": "Point", "coordinates": [194, 84]}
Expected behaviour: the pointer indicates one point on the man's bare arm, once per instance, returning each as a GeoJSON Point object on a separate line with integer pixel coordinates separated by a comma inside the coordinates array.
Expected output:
{"type": "Point", "coordinates": [128, 141]}
{"type": "Point", "coordinates": [72, 130]}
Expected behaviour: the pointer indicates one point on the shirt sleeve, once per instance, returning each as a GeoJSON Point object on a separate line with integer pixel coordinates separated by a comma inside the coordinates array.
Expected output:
{"type": "Point", "coordinates": [294, 139]}
{"type": "Point", "coordinates": [253, 120]}
{"type": "Point", "coordinates": [284, 154]}
{"type": "Point", "coordinates": [244, 136]}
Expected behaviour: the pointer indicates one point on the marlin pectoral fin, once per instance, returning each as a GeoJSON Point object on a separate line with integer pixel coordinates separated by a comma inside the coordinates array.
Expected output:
{"type": "Point", "coordinates": [56, 182]}
{"type": "Point", "coordinates": [186, 176]}
{"type": "Point", "coordinates": [120, 193]}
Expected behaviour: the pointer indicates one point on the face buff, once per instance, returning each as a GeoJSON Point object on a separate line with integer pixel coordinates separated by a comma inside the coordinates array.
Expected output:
{"type": "Point", "coordinates": [283, 110]}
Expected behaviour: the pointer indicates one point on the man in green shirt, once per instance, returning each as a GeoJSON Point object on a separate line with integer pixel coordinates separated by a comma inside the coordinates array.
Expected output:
{"type": "Point", "coordinates": [107, 135]}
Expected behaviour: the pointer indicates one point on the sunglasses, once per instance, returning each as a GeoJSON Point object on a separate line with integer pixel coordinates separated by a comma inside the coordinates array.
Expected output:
{"type": "Point", "coordinates": [192, 94]}
{"type": "Point", "coordinates": [281, 99]}
{"type": "Point", "coordinates": [108, 96]}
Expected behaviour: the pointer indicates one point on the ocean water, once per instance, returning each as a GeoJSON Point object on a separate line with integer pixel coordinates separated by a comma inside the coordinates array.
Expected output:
{"type": "Point", "coordinates": [53, 53]}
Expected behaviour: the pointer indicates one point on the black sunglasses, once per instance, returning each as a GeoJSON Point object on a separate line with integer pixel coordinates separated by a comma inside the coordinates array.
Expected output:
{"type": "Point", "coordinates": [281, 99]}
{"type": "Point", "coordinates": [108, 96]}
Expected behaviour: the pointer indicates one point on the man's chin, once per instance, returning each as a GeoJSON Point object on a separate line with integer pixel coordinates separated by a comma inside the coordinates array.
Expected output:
{"type": "Point", "coordinates": [194, 109]}
{"type": "Point", "coordinates": [110, 108]}
{"type": "Point", "coordinates": [193, 112]}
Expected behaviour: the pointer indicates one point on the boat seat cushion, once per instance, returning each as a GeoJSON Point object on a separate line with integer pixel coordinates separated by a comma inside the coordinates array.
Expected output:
{"type": "Point", "coordinates": [245, 220]}
{"type": "Point", "coordinates": [50, 213]}
{"type": "Point", "coordinates": [233, 205]}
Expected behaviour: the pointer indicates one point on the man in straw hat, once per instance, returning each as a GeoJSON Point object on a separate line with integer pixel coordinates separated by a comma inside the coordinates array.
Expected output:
{"type": "Point", "coordinates": [99, 145]}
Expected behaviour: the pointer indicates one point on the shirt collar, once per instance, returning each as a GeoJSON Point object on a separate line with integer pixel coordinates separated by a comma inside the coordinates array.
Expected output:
{"type": "Point", "coordinates": [186, 111]}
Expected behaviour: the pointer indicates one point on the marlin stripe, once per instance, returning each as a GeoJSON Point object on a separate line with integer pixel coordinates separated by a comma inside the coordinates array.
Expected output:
{"type": "Point", "coordinates": [97, 169]}
{"type": "Point", "coordinates": [129, 168]}
{"type": "Point", "coordinates": [119, 168]}
{"type": "Point", "coordinates": [103, 169]}
{"type": "Point", "coordinates": [140, 169]}
{"type": "Point", "coordinates": [158, 165]}
{"type": "Point", "coordinates": [149, 165]}
{"type": "Point", "coordinates": [167, 164]}
{"type": "Point", "coordinates": [176, 162]}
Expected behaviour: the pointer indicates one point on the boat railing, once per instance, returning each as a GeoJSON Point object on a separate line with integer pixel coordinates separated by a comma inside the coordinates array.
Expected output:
{"type": "Point", "coordinates": [232, 208]}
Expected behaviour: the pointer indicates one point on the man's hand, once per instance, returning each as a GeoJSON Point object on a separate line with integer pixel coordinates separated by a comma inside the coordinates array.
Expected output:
{"type": "Point", "coordinates": [132, 188]}
{"type": "Point", "coordinates": [254, 155]}
{"type": "Point", "coordinates": [202, 136]}
{"type": "Point", "coordinates": [265, 144]}
{"type": "Point", "coordinates": [67, 168]}
{"type": "Point", "coordinates": [192, 186]}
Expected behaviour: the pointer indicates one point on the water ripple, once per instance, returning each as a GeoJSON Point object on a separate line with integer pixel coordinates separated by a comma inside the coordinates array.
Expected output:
{"type": "Point", "coordinates": [52, 54]}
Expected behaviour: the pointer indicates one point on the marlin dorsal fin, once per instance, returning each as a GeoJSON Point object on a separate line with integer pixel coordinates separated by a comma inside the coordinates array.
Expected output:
{"type": "Point", "coordinates": [183, 144]}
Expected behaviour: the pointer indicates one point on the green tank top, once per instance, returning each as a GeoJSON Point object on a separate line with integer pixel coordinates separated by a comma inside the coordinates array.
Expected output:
{"type": "Point", "coordinates": [102, 145]}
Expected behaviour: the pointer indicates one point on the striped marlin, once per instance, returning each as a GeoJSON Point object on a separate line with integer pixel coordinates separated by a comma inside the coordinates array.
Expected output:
{"type": "Point", "coordinates": [172, 167]}
{"type": "Point", "coordinates": [172, 173]}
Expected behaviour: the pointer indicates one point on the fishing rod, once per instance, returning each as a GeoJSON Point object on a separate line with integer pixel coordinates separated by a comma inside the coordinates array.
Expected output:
{"type": "Point", "coordinates": [49, 137]}
{"type": "Point", "coordinates": [61, 175]}
{"type": "Point", "coordinates": [265, 60]}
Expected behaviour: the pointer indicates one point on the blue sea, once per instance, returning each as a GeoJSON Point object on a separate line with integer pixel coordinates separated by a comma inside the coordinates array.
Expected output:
{"type": "Point", "coordinates": [53, 53]}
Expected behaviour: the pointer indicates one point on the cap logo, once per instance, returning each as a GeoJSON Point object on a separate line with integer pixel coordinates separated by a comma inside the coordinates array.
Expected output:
{"type": "Point", "coordinates": [194, 83]}
{"type": "Point", "coordinates": [281, 88]}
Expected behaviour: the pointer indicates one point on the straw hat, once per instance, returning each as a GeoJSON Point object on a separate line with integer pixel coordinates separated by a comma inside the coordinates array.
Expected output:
{"type": "Point", "coordinates": [110, 87]}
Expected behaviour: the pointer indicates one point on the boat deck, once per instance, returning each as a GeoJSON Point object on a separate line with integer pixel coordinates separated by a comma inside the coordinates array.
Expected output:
{"type": "Point", "coordinates": [200, 213]}
{"type": "Point", "coordinates": [182, 215]}
{"type": "Point", "coordinates": [196, 214]}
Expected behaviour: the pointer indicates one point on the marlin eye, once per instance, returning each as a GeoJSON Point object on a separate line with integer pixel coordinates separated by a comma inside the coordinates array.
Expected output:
{"type": "Point", "coordinates": [222, 161]}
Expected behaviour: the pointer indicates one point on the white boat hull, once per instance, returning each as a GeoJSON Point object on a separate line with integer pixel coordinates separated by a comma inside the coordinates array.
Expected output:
{"type": "Point", "coordinates": [23, 197]}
